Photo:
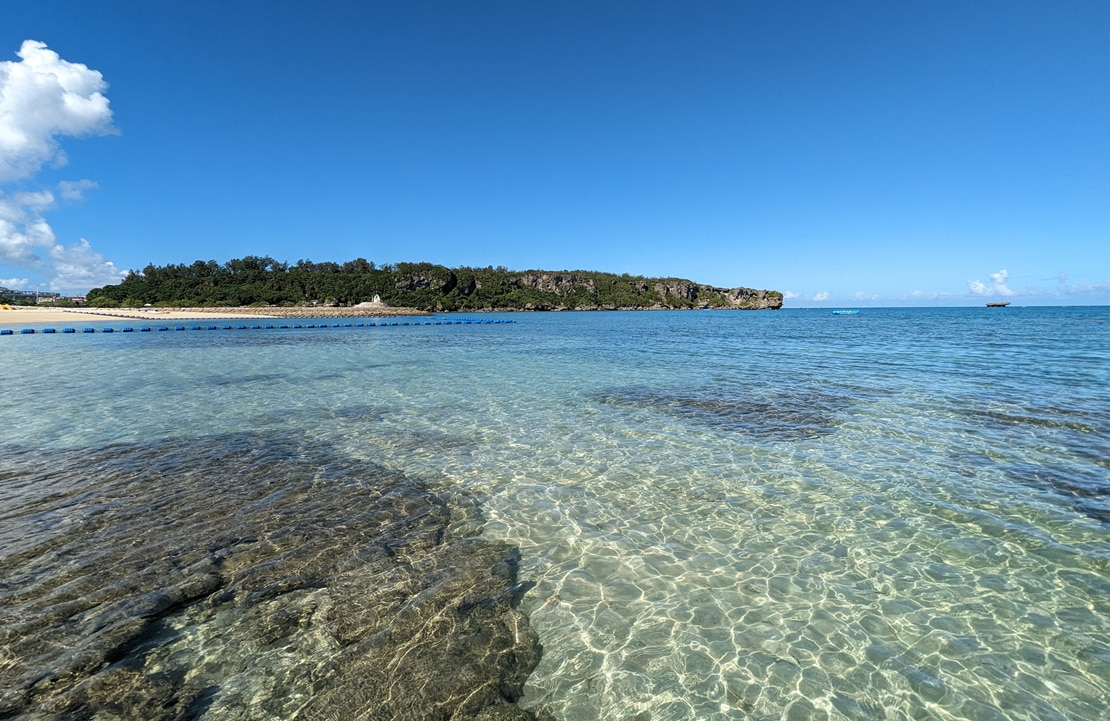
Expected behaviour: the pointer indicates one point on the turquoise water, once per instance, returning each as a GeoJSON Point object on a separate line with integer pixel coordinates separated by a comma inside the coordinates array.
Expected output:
{"type": "Point", "coordinates": [720, 515]}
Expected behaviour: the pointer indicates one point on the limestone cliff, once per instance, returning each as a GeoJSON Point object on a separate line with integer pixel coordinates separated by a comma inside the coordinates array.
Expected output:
{"type": "Point", "coordinates": [585, 290]}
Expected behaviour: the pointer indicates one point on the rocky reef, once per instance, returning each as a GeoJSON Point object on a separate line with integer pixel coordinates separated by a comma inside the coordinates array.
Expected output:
{"type": "Point", "coordinates": [249, 577]}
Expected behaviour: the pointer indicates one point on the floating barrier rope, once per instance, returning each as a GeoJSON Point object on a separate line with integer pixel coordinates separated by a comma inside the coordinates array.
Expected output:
{"type": "Point", "coordinates": [268, 326]}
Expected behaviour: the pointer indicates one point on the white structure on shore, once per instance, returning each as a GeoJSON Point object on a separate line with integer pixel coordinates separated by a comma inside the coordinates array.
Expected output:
{"type": "Point", "coordinates": [39, 296]}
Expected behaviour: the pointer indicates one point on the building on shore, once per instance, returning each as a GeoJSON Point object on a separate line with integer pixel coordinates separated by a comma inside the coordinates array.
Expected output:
{"type": "Point", "coordinates": [34, 296]}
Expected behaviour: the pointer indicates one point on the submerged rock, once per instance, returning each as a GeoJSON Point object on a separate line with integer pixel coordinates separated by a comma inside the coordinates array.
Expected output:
{"type": "Point", "coordinates": [248, 577]}
{"type": "Point", "coordinates": [779, 416]}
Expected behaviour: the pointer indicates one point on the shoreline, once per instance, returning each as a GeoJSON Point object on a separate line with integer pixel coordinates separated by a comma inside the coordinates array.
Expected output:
{"type": "Point", "coordinates": [27, 315]}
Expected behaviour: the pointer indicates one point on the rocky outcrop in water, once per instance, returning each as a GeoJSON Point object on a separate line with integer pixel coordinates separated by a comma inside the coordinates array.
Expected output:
{"type": "Point", "coordinates": [249, 577]}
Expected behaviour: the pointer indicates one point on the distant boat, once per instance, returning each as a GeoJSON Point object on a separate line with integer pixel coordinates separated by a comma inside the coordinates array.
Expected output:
{"type": "Point", "coordinates": [997, 305]}
{"type": "Point", "coordinates": [845, 312]}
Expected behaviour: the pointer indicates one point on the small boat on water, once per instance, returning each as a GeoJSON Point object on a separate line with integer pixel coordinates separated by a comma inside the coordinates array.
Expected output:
{"type": "Point", "coordinates": [845, 312]}
{"type": "Point", "coordinates": [998, 305]}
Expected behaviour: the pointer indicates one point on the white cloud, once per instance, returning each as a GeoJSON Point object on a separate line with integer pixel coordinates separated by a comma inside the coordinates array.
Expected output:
{"type": "Point", "coordinates": [791, 295]}
{"type": "Point", "coordinates": [43, 97]}
{"type": "Point", "coordinates": [823, 295]}
{"type": "Point", "coordinates": [1066, 288]}
{"type": "Point", "coordinates": [28, 241]}
{"type": "Point", "coordinates": [996, 287]}
{"type": "Point", "coordinates": [15, 283]}
{"type": "Point", "coordinates": [860, 295]}
{"type": "Point", "coordinates": [80, 267]}
{"type": "Point", "coordinates": [23, 230]}
{"type": "Point", "coordinates": [75, 189]}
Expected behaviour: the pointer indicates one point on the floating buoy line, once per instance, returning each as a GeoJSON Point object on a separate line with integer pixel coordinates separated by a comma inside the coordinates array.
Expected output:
{"type": "Point", "coordinates": [260, 326]}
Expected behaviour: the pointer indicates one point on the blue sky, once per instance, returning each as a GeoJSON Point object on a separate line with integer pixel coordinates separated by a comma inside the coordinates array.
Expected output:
{"type": "Point", "coordinates": [845, 153]}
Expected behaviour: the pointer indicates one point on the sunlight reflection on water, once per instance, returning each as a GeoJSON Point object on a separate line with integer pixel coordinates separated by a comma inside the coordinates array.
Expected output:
{"type": "Point", "coordinates": [723, 515]}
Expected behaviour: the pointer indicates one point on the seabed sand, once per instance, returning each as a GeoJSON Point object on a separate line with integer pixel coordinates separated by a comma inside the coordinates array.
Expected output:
{"type": "Point", "coordinates": [22, 315]}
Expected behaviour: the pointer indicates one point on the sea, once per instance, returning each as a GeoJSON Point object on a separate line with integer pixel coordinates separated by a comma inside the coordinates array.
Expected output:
{"type": "Point", "coordinates": [895, 514]}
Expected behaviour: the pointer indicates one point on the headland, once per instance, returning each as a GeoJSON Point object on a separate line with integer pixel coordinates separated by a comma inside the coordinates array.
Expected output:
{"type": "Point", "coordinates": [310, 287]}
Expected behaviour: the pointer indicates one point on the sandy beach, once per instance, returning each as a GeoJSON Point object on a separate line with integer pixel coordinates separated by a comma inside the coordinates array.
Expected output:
{"type": "Point", "coordinates": [25, 315]}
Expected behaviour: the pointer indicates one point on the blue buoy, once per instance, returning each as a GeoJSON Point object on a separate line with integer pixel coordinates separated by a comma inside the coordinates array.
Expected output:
{"type": "Point", "coordinates": [258, 326]}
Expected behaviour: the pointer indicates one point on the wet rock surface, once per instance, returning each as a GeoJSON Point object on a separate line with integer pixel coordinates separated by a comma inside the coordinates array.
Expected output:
{"type": "Point", "coordinates": [248, 577]}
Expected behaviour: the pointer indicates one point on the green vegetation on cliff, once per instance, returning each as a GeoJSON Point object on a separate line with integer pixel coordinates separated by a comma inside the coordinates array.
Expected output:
{"type": "Point", "coordinates": [264, 281]}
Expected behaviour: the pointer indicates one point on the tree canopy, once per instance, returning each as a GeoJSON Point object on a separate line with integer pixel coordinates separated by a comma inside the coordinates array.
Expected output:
{"type": "Point", "coordinates": [261, 280]}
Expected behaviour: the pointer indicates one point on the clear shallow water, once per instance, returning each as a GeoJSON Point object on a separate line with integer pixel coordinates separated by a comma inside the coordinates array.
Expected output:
{"type": "Point", "coordinates": [900, 514]}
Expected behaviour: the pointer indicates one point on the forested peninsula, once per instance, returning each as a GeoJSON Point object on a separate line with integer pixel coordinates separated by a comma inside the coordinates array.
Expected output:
{"type": "Point", "coordinates": [263, 281]}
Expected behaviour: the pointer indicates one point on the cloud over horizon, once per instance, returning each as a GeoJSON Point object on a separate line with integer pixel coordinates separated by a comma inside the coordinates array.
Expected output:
{"type": "Point", "coordinates": [79, 266]}
{"type": "Point", "coordinates": [44, 98]}
{"type": "Point", "coordinates": [997, 286]}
